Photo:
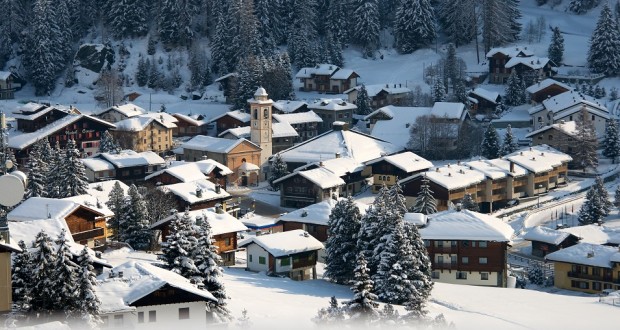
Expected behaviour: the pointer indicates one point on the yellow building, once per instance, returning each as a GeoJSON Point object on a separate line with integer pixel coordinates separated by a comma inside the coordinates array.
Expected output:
{"type": "Point", "coordinates": [145, 133]}
{"type": "Point", "coordinates": [5, 272]}
{"type": "Point", "coordinates": [589, 268]}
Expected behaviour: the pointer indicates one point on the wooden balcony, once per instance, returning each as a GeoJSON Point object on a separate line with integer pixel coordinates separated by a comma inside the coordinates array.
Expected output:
{"type": "Point", "coordinates": [444, 265]}
{"type": "Point", "coordinates": [85, 235]}
{"type": "Point", "coordinates": [598, 278]}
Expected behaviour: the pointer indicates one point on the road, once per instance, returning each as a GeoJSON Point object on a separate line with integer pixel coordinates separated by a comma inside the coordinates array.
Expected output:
{"type": "Point", "coordinates": [260, 208]}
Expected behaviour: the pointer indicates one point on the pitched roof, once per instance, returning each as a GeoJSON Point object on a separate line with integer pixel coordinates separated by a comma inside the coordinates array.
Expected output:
{"type": "Point", "coordinates": [332, 104]}
{"type": "Point", "coordinates": [451, 110]}
{"type": "Point", "coordinates": [187, 191]}
{"type": "Point", "coordinates": [319, 69]}
{"type": "Point", "coordinates": [466, 225]}
{"type": "Point", "coordinates": [317, 213]}
{"type": "Point", "coordinates": [343, 74]}
{"type": "Point", "coordinates": [504, 164]}
{"type": "Point", "coordinates": [321, 176]}
{"type": "Point", "coordinates": [286, 243]}
{"type": "Point", "coordinates": [406, 161]}
{"type": "Point", "coordinates": [130, 158]}
{"type": "Point", "coordinates": [97, 195]}
{"type": "Point", "coordinates": [240, 115]}
{"type": "Point", "coordinates": [586, 254]}
{"type": "Point", "coordinates": [190, 119]}
{"type": "Point", "coordinates": [221, 223]}
{"type": "Point", "coordinates": [510, 51]}
{"type": "Point", "coordinates": [569, 127]}
{"type": "Point", "coordinates": [451, 176]}
{"type": "Point", "coordinates": [533, 62]}
{"type": "Point", "coordinates": [129, 110]}
{"type": "Point", "coordinates": [570, 102]}
{"type": "Point", "coordinates": [485, 94]}
{"type": "Point", "coordinates": [213, 144]}
{"type": "Point", "coordinates": [397, 129]}
{"type": "Point", "coordinates": [279, 130]}
{"type": "Point", "coordinates": [287, 106]}
{"type": "Point", "coordinates": [546, 235]}
{"type": "Point", "coordinates": [374, 90]}
{"type": "Point", "coordinates": [540, 158]}
{"type": "Point", "coordinates": [38, 208]}
{"type": "Point", "coordinates": [298, 118]}
{"type": "Point", "coordinates": [139, 123]}
{"type": "Point", "coordinates": [97, 164]}
{"type": "Point", "coordinates": [537, 87]}
{"type": "Point", "coordinates": [191, 171]}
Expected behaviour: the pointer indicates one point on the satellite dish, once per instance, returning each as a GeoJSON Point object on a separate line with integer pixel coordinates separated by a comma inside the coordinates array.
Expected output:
{"type": "Point", "coordinates": [12, 189]}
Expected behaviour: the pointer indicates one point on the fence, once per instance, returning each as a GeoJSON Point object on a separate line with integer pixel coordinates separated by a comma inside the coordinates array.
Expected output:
{"type": "Point", "coordinates": [517, 262]}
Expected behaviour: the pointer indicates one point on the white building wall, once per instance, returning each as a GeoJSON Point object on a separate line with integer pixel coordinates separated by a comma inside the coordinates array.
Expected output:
{"type": "Point", "coordinates": [166, 317]}
{"type": "Point", "coordinates": [473, 278]}
{"type": "Point", "coordinates": [255, 251]}
{"type": "Point", "coordinates": [281, 269]}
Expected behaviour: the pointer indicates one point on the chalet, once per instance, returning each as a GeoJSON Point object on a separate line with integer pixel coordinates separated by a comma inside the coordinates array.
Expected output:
{"type": "Point", "coordinates": [31, 116]}
{"type": "Point", "coordinates": [545, 89]}
{"type": "Point", "coordinates": [293, 253]}
{"type": "Point", "coordinates": [545, 240]}
{"type": "Point", "coordinates": [190, 125]}
{"type": "Point", "coordinates": [86, 224]}
{"type": "Point", "coordinates": [144, 133]}
{"type": "Point", "coordinates": [306, 124]}
{"type": "Point", "coordinates": [326, 78]}
{"type": "Point", "coordinates": [483, 102]}
{"type": "Point", "coordinates": [502, 61]}
{"type": "Point", "coordinates": [8, 85]}
{"type": "Point", "coordinates": [260, 225]}
{"type": "Point", "coordinates": [283, 135]}
{"type": "Point", "coordinates": [287, 106]}
{"type": "Point", "coordinates": [120, 112]}
{"type": "Point", "coordinates": [594, 234]}
{"type": "Point", "coordinates": [381, 95]}
{"type": "Point", "coordinates": [547, 168]}
{"type": "Point", "coordinates": [140, 295]}
{"type": "Point", "coordinates": [561, 136]}
{"type": "Point", "coordinates": [224, 229]}
{"type": "Point", "coordinates": [467, 247]}
{"type": "Point", "coordinates": [388, 169]}
{"type": "Point", "coordinates": [127, 166]}
{"type": "Point", "coordinates": [331, 111]}
{"type": "Point", "coordinates": [240, 156]}
{"type": "Point", "coordinates": [231, 119]}
{"type": "Point", "coordinates": [228, 84]}
{"type": "Point", "coordinates": [585, 267]}
{"type": "Point", "coordinates": [178, 172]}
{"type": "Point", "coordinates": [197, 195]}
{"type": "Point", "coordinates": [567, 107]}
{"type": "Point", "coordinates": [303, 188]}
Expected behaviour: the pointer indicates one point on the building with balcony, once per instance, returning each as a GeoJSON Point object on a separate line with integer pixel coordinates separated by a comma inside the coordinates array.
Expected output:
{"type": "Point", "coordinates": [145, 133]}
{"type": "Point", "coordinates": [389, 169]}
{"type": "Point", "coordinates": [127, 166]}
{"type": "Point", "coordinates": [303, 188]}
{"type": "Point", "coordinates": [382, 94]}
{"type": "Point", "coordinates": [326, 78]}
{"type": "Point", "coordinates": [332, 111]}
{"type": "Point", "coordinates": [304, 123]}
{"type": "Point", "coordinates": [120, 112]}
{"type": "Point", "coordinates": [180, 171]}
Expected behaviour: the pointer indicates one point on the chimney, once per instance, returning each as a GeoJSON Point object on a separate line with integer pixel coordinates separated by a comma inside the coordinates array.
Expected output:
{"type": "Point", "coordinates": [340, 126]}
{"type": "Point", "coordinates": [590, 254]}
{"type": "Point", "coordinates": [218, 189]}
{"type": "Point", "coordinates": [199, 192]}
{"type": "Point", "coordinates": [337, 155]}
{"type": "Point", "coordinates": [512, 167]}
{"type": "Point", "coordinates": [306, 234]}
{"type": "Point", "coordinates": [204, 157]}
{"type": "Point", "coordinates": [304, 213]}
{"type": "Point", "coordinates": [218, 208]}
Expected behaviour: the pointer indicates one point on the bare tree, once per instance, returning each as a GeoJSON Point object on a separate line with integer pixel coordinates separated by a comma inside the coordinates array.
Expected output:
{"type": "Point", "coordinates": [109, 88]}
{"type": "Point", "coordinates": [125, 139]}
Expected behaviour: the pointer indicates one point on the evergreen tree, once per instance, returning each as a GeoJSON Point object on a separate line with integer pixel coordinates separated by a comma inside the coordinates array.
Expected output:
{"type": "Point", "coordinates": [337, 22]}
{"type": "Point", "coordinates": [611, 141]}
{"type": "Point", "coordinates": [302, 33]}
{"type": "Point", "coordinates": [65, 277]}
{"type": "Point", "coordinates": [362, 308]}
{"type": "Point", "coordinates": [509, 143]}
{"type": "Point", "coordinates": [603, 195]}
{"type": "Point", "coordinates": [175, 22]}
{"type": "Point", "coordinates": [199, 68]}
{"type": "Point", "coordinates": [134, 226]}
{"type": "Point", "coordinates": [333, 51]}
{"type": "Point", "coordinates": [617, 197]}
{"type": "Point", "coordinates": [368, 236]}
{"type": "Point", "coordinates": [414, 25]}
{"type": "Point", "coordinates": [363, 101]}
{"type": "Point", "coordinates": [36, 172]}
{"type": "Point", "coordinates": [179, 246]}
{"type": "Point", "coordinates": [439, 91]}
{"type": "Point", "coordinates": [490, 144]}
{"type": "Point", "coordinates": [87, 300]}
{"type": "Point", "coordinates": [556, 47]}
{"type": "Point", "coordinates": [107, 143]}
{"type": "Point", "coordinates": [278, 170]}
{"type": "Point", "coordinates": [365, 30]}
{"type": "Point", "coordinates": [116, 204]}
{"type": "Point", "coordinates": [155, 76]}
{"type": "Point", "coordinates": [468, 203]}
{"type": "Point", "coordinates": [331, 315]}
{"type": "Point", "coordinates": [515, 93]}
{"type": "Point", "coordinates": [128, 18]}
{"type": "Point", "coordinates": [419, 273]}
{"type": "Point", "coordinates": [340, 247]}
{"type": "Point", "coordinates": [582, 6]}
{"type": "Point", "coordinates": [21, 277]}
{"type": "Point", "coordinates": [142, 71]}
{"type": "Point", "coordinates": [55, 181]}
{"type": "Point", "coordinates": [586, 143]}
{"type": "Point", "coordinates": [72, 170]}
{"type": "Point", "coordinates": [265, 16]}
{"type": "Point", "coordinates": [251, 71]}
{"type": "Point", "coordinates": [596, 206]}
{"type": "Point", "coordinates": [457, 18]}
{"type": "Point", "coordinates": [604, 53]}
{"type": "Point", "coordinates": [43, 261]}
{"type": "Point", "coordinates": [536, 275]}
{"type": "Point", "coordinates": [276, 77]}
{"type": "Point", "coordinates": [500, 22]}
{"type": "Point", "coordinates": [425, 201]}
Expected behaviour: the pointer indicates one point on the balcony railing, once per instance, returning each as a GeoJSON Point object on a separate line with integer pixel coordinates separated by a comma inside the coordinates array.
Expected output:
{"type": "Point", "coordinates": [444, 265]}
{"type": "Point", "coordinates": [591, 277]}
{"type": "Point", "coordinates": [85, 235]}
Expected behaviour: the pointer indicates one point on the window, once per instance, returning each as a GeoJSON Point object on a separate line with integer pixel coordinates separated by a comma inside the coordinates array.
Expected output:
{"type": "Point", "coordinates": [482, 244]}
{"type": "Point", "coordinates": [465, 260]}
{"type": "Point", "coordinates": [461, 275]}
{"type": "Point", "coordinates": [440, 259]}
{"type": "Point", "coordinates": [152, 316]}
{"type": "Point", "coordinates": [540, 137]}
{"type": "Point", "coordinates": [438, 243]}
{"type": "Point", "coordinates": [105, 322]}
{"type": "Point", "coordinates": [184, 313]}
{"type": "Point", "coordinates": [484, 276]}
{"type": "Point", "coordinates": [580, 285]}
{"type": "Point", "coordinates": [427, 243]}
{"type": "Point", "coordinates": [227, 241]}
{"type": "Point", "coordinates": [453, 243]}
{"type": "Point", "coordinates": [265, 113]}
{"type": "Point", "coordinates": [592, 117]}
{"type": "Point", "coordinates": [261, 260]}
{"type": "Point", "coordinates": [596, 271]}
{"type": "Point", "coordinates": [255, 114]}
{"type": "Point", "coordinates": [285, 261]}
{"type": "Point", "coordinates": [465, 244]}
{"type": "Point", "coordinates": [596, 286]}
{"type": "Point", "coordinates": [140, 317]}
{"type": "Point", "coordinates": [435, 274]}
{"type": "Point", "coordinates": [550, 137]}
{"type": "Point", "coordinates": [250, 258]}
{"type": "Point", "coordinates": [118, 320]}
{"type": "Point", "coordinates": [482, 260]}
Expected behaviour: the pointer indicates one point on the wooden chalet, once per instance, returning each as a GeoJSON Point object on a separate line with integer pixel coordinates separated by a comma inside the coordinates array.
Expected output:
{"type": "Point", "coordinates": [483, 102]}
{"type": "Point", "coordinates": [198, 194]}
{"type": "Point", "coordinates": [117, 113]}
{"type": "Point", "coordinates": [388, 169]}
{"type": "Point", "coordinates": [127, 166]}
{"type": "Point", "coordinates": [304, 123]}
{"type": "Point", "coordinates": [326, 78]}
{"type": "Point", "coordinates": [545, 240]}
{"type": "Point", "coordinates": [178, 172]}
{"type": "Point", "coordinates": [292, 253]}
{"type": "Point", "coordinates": [33, 116]}
{"type": "Point", "coordinates": [9, 83]}
{"type": "Point", "coordinates": [502, 61]}
{"type": "Point", "coordinates": [190, 125]}
{"type": "Point", "coordinates": [303, 188]}
{"type": "Point", "coordinates": [545, 89]}
{"type": "Point", "coordinates": [381, 95]}
{"type": "Point", "coordinates": [231, 119]}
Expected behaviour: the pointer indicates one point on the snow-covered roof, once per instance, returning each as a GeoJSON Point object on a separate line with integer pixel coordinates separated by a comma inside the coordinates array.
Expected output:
{"type": "Point", "coordinates": [97, 164]}
{"type": "Point", "coordinates": [37, 208]}
{"type": "Point", "coordinates": [287, 106]}
{"type": "Point", "coordinates": [451, 110]}
{"type": "Point", "coordinates": [213, 144]}
{"type": "Point", "coordinates": [248, 167]}
{"type": "Point", "coordinates": [570, 102]}
{"type": "Point", "coordinates": [485, 94]}
{"type": "Point", "coordinates": [139, 123]}
{"type": "Point", "coordinates": [406, 161]}
{"type": "Point", "coordinates": [343, 74]}
{"type": "Point", "coordinates": [298, 118]}
{"type": "Point", "coordinates": [569, 127]}
{"type": "Point", "coordinates": [129, 110]}
{"type": "Point", "coordinates": [256, 222]}
{"type": "Point", "coordinates": [187, 191]}
{"type": "Point", "coordinates": [490, 171]}
{"type": "Point", "coordinates": [221, 223]}
{"type": "Point", "coordinates": [540, 158]}
{"type": "Point", "coordinates": [510, 51]}
{"type": "Point", "coordinates": [139, 280]}
{"type": "Point", "coordinates": [537, 87]}
{"type": "Point", "coordinates": [162, 117]}
{"type": "Point", "coordinates": [397, 129]}
{"type": "Point", "coordinates": [321, 176]}
{"type": "Point", "coordinates": [97, 195]}
{"type": "Point", "coordinates": [319, 69]}
{"type": "Point", "coordinates": [317, 214]}
{"type": "Point", "coordinates": [4, 75]}
{"type": "Point", "coordinates": [279, 130]}
{"type": "Point", "coordinates": [533, 62]}
{"type": "Point", "coordinates": [130, 158]}
{"type": "Point", "coordinates": [191, 171]}
{"type": "Point", "coordinates": [504, 164]}
{"type": "Point", "coordinates": [546, 235]}
{"type": "Point", "coordinates": [286, 243]}
{"type": "Point", "coordinates": [240, 115]}
{"type": "Point", "coordinates": [452, 176]}
{"type": "Point", "coordinates": [416, 219]}
{"type": "Point", "coordinates": [190, 119]}
{"type": "Point", "coordinates": [466, 225]}
{"type": "Point", "coordinates": [374, 90]}
{"type": "Point", "coordinates": [32, 111]}
{"type": "Point", "coordinates": [332, 104]}
{"type": "Point", "coordinates": [586, 254]}
{"type": "Point", "coordinates": [23, 140]}
{"type": "Point", "coordinates": [346, 143]}
{"type": "Point", "coordinates": [339, 166]}
{"type": "Point", "coordinates": [593, 234]}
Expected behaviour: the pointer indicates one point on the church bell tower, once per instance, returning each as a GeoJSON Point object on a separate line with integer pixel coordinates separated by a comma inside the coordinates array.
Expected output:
{"type": "Point", "coordinates": [261, 126]}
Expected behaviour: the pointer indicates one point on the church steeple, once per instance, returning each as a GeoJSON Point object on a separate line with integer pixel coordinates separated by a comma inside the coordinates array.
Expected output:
{"type": "Point", "coordinates": [261, 125]}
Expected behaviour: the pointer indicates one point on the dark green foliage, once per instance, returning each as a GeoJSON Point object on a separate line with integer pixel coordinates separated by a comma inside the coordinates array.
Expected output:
{"type": "Point", "coordinates": [490, 144]}
{"type": "Point", "coordinates": [340, 247]}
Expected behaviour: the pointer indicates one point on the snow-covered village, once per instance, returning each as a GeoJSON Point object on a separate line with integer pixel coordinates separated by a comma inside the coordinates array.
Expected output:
{"type": "Point", "coordinates": [309, 164]}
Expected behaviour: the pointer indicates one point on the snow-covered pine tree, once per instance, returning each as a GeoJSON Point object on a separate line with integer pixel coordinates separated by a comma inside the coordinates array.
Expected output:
{"type": "Point", "coordinates": [582, 6]}
{"type": "Point", "coordinates": [536, 275]}
{"type": "Point", "coordinates": [65, 277]}
{"type": "Point", "coordinates": [414, 25]}
{"type": "Point", "coordinates": [208, 263]}
{"type": "Point", "coordinates": [368, 236]}
{"type": "Point", "coordinates": [116, 204]}
{"type": "Point", "coordinates": [72, 170]}
{"type": "Point", "coordinates": [439, 91]}
{"type": "Point", "coordinates": [107, 143]}
{"type": "Point", "coordinates": [603, 195]}
{"type": "Point", "coordinates": [468, 203]}
{"type": "Point", "coordinates": [617, 197]}
{"type": "Point", "coordinates": [451, 67]}
{"type": "Point", "coordinates": [199, 67]}
{"type": "Point", "coordinates": [36, 172]}
{"type": "Point", "coordinates": [500, 23]}
{"type": "Point", "coordinates": [586, 143]}
{"type": "Point", "coordinates": [457, 18]}
{"type": "Point", "coordinates": [611, 141]}
{"type": "Point", "coordinates": [509, 143]}
{"type": "Point", "coordinates": [365, 29]}
{"type": "Point", "coordinates": [340, 247]}
{"type": "Point", "coordinates": [337, 22]}
{"type": "Point", "coordinates": [128, 18]}
{"type": "Point", "coordinates": [396, 200]}
{"type": "Point", "coordinates": [249, 35]}
{"type": "Point", "coordinates": [332, 315]}
{"type": "Point", "coordinates": [362, 308]}
{"type": "Point", "coordinates": [333, 50]}
{"type": "Point", "coordinates": [251, 70]}
{"type": "Point", "coordinates": [490, 143]}
{"type": "Point", "coordinates": [21, 278]}
{"type": "Point", "coordinates": [134, 226]}
{"type": "Point", "coordinates": [460, 92]}
{"type": "Point", "coordinates": [265, 16]}
{"type": "Point", "coordinates": [179, 246]}
{"type": "Point", "coordinates": [87, 300]}
{"type": "Point", "coordinates": [556, 47]}
{"type": "Point", "coordinates": [593, 209]}
{"type": "Point", "coordinates": [425, 201]}
{"type": "Point", "coordinates": [302, 34]}
{"type": "Point", "coordinates": [278, 170]}
{"type": "Point", "coordinates": [419, 273]}
{"type": "Point", "coordinates": [43, 292]}
{"type": "Point", "coordinates": [363, 101]}
{"type": "Point", "coordinates": [54, 179]}
{"type": "Point", "coordinates": [155, 76]}
{"type": "Point", "coordinates": [142, 71]}
{"type": "Point", "coordinates": [604, 53]}
{"type": "Point", "coordinates": [175, 22]}
{"type": "Point", "coordinates": [515, 94]}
